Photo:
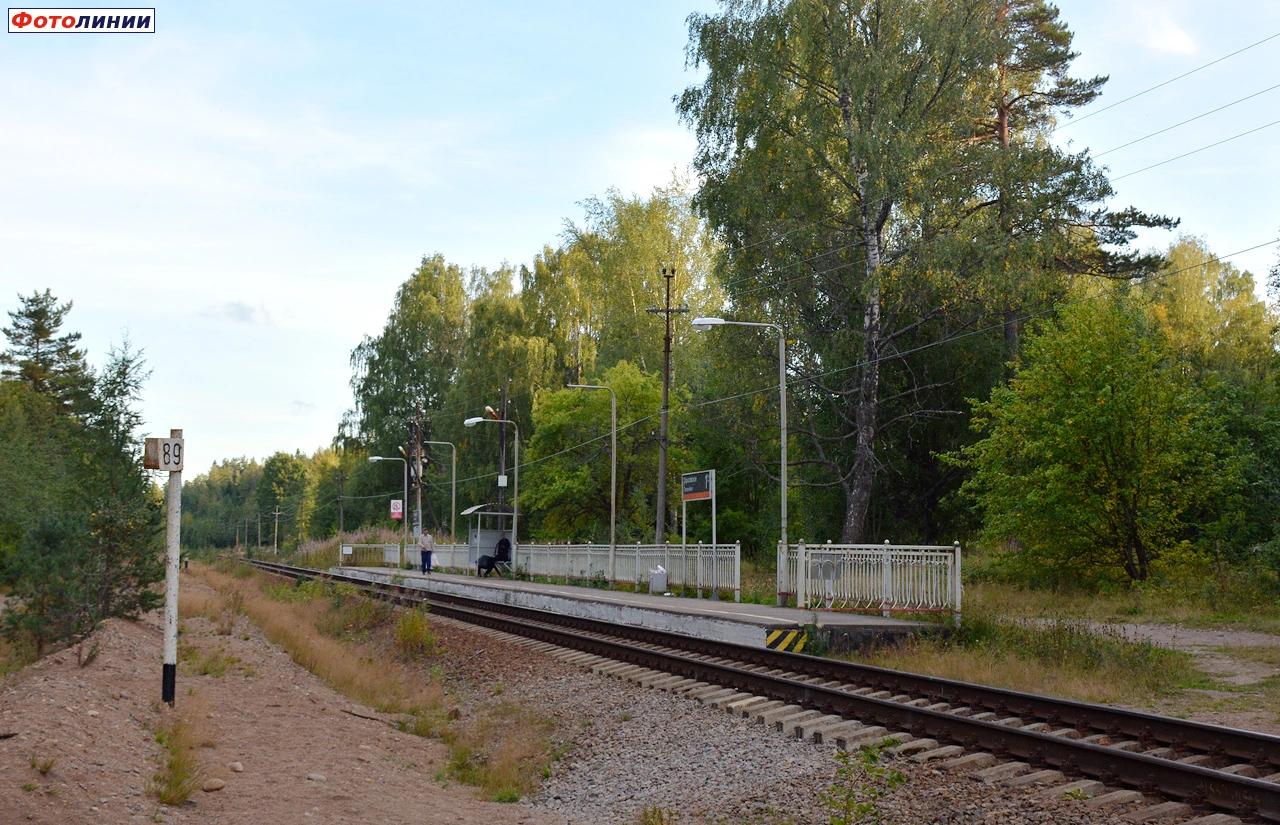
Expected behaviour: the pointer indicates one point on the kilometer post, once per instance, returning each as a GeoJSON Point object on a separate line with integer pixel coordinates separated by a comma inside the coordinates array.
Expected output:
{"type": "Point", "coordinates": [166, 454]}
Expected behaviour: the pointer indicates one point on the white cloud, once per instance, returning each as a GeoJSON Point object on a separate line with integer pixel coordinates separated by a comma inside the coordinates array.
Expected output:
{"type": "Point", "coordinates": [635, 160]}
{"type": "Point", "coordinates": [1160, 33]}
{"type": "Point", "coordinates": [239, 312]}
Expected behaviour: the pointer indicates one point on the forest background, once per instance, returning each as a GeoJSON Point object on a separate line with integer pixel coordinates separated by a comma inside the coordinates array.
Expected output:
{"type": "Point", "coordinates": [976, 351]}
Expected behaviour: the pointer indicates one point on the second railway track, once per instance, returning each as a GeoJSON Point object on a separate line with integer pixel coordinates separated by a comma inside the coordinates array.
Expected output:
{"type": "Point", "coordinates": [1223, 768]}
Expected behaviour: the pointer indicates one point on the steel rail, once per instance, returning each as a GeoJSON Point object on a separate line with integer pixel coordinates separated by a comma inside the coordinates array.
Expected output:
{"type": "Point", "coordinates": [685, 656]}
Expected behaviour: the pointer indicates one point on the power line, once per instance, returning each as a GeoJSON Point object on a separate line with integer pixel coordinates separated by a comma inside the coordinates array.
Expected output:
{"type": "Point", "coordinates": [1185, 122]}
{"type": "Point", "coordinates": [901, 354]}
{"type": "Point", "coordinates": [809, 378]}
{"type": "Point", "coordinates": [1166, 82]}
{"type": "Point", "coordinates": [1174, 79]}
{"type": "Point", "coordinates": [1196, 151]}
{"type": "Point", "coordinates": [925, 241]}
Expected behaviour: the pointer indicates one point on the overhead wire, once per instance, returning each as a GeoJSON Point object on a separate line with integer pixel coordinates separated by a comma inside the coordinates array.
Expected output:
{"type": "Point", "coordinates": [1196, 151]}
{"type": "Point", "coordinates": [778, 270]}
{"type": "Point", "coordinates": [867, 362]}
{"type": "Point", "coordinates": [1188, 120]}
{"type": "Point", "coordinates": [1164, 83]}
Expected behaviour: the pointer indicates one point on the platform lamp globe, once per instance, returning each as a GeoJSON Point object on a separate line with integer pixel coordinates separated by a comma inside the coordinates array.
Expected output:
{"type": "Point", "coordinates": [702, 324]}
{"type": "Point", "coordinates": [515, 496]}
{"type": "Point", "coordinates": [404, 522]}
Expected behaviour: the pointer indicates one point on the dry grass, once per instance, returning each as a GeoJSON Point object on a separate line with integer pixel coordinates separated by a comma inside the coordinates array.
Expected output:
{"type": "Point", "coordinates": [43, 764]}
{"type": "Point", "coordinates": [323, 553]}
{"type": "Point", "coordinates": [212, 661]}
{"type": "Point", "coordinates": [193, 602]}
{"type": "Point", "coordinates": [355, 670]}
{"type": "Point", "coordinates": [1225, 597]}
{"type": "Point", "coordinates": [414, 636]}
{"type": "Point", "coordinates": [179, 732]}
{"type": "Point", "coordinates": [1058, 657]}
{"type": "Point", "coordinates": [15, 656]}
{"type": "Point", "coordinates": [502, 752]}
{"type": "Point", "coordinates": [342, 637]}
{"type": "Point", "coordinates": [1263, 654]}
{"type": "Point", "coordinates": [759, 582]}
{"type": "Point", "coordinates": [653, 815]}
{"type": "Point", "coordinates": [221, 610]}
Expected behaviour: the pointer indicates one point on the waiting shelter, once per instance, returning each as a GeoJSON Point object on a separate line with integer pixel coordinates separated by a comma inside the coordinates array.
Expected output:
{"type": "Point", "coordinates": [487, 524]}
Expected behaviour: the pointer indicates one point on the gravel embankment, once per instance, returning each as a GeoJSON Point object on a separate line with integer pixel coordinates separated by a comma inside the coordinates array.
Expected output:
{"type": "Point", "coordinates": [637, 748]}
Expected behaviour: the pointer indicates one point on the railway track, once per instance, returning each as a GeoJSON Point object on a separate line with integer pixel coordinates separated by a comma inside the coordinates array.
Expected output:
{"type": "Point", "coordinates": [829, 700]}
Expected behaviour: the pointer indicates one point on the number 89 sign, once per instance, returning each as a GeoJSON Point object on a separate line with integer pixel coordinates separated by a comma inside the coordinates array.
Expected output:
{"type": "Point", "coordinates": [163, 454]}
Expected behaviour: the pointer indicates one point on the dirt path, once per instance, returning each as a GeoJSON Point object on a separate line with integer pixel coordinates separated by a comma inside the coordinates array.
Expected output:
{"type": "Point", "coordinates": [304, 758]}
{"type": "Point", "coordinates": [1244, 664]}
{"type": "Point", "coordinates": [1220, 653]}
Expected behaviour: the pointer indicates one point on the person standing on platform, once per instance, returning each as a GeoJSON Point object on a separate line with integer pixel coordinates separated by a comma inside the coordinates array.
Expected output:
{"type": "Point", "coordinates": [428, 548]}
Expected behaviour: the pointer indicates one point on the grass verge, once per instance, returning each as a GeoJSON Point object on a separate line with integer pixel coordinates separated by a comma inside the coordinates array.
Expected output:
{"type": "Point", "coordinates": [347, 640]}
{"type": "Point", "coordinates": [14, 656]}
{"type": "Point", "coordinates": [1062, 657]}
{"type": "Point", "coordinates": [1204, 595]}
{"type": "Point", "coordinates": [179, 736]}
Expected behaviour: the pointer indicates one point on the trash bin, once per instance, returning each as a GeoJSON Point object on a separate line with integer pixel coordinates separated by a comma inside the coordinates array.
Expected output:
{"type": "Point", "coordinates": [658, 580]}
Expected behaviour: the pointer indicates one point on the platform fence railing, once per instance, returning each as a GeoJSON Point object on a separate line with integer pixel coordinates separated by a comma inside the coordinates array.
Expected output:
{"type": "Point", "coordinates": [917, 578]}
{"type": "Point", "coordinates": [700, 567]}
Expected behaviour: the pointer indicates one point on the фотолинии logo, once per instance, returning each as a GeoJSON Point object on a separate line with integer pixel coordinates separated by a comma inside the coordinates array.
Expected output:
{"type": "Point", "coordinates": [82, 21]}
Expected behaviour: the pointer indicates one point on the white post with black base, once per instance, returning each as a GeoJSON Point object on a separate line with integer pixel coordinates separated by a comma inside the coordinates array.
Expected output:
{"type": "Point", "coordinates": [166, 454]}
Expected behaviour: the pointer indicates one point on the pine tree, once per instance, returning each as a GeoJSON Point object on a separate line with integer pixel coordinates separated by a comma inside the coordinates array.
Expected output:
{"type": "Point", "coordinates": [49, 363]}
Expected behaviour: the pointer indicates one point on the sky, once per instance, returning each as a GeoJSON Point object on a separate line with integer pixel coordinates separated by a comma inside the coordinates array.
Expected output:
{"type": "Point", "coordinates": [241, 193]}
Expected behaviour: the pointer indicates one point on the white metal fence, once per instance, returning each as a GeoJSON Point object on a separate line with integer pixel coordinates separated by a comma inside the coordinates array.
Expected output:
{"type": "Point", "coordinates": [702, 567]}
{"type": "Point", "coordinates": [883, 577]}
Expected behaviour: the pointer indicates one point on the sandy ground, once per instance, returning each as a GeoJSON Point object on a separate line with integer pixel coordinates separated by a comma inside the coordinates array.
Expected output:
{"type": "Point", "coordinates": [304, 758]}
{"type": "Point", "coordinates": [310, 755]}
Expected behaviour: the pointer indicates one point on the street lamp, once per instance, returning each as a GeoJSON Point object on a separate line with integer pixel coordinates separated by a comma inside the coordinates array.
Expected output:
{"type": "Point", "coordinates": [702, 324]}
{"type": "Point", "coordinates": [613, 473]}
{"type": "Point", "coordinates": [515, 497]}
{"type": "Point", "coordinates": [453, 495]}
{"type": "Point", "coordinates": [404, 504]}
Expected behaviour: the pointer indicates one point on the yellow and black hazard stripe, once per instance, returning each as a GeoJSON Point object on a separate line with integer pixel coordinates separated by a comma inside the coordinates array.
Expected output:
{"type": "Point", "coordinates": [790, 641]}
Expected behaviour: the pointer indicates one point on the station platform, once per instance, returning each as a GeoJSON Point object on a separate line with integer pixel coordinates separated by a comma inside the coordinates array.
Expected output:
{"type": "Point", "coordinates": [778, 628]}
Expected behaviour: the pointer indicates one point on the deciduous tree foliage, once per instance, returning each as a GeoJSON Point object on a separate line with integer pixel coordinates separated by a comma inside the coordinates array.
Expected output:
{"type": "Point", "coordinates": [568, 485]}
{"type": "Point", "coordinates": [1101, 453]}
{"type": "Point", "coordinates": [848, 159]}
{"type": "Point", "coordinates": [877, 177]}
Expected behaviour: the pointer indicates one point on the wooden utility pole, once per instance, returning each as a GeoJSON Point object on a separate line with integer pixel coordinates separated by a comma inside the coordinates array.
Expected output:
{"type": "Point", "coordinates": [659, 532]}
{"type": "Point", "coordinates": [275, 536]}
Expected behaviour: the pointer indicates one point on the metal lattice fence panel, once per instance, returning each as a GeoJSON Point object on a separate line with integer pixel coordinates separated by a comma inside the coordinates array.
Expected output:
{"type": "Point", "coordinates": [880, 577]}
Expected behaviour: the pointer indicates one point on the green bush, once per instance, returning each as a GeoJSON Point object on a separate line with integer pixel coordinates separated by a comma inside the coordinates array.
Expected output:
{"type": "Point", "coordinates": [414, 636]}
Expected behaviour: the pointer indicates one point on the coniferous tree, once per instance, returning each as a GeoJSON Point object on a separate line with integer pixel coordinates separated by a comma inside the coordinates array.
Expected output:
{"type": "Point", "coordinates": [49, 363]}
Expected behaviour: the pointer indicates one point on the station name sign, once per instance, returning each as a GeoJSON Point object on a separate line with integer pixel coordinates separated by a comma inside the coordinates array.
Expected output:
{"type": "Point", "coordinates": [698, 486]}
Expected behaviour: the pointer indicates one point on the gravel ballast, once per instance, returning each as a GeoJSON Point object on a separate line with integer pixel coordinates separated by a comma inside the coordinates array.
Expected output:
{"type": "Point", "coordinates": [635, 748]}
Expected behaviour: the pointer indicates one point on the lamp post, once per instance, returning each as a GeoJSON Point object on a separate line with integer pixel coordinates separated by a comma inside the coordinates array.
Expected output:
{"type": "Point", "coordinates": [704, 324]}
{"type": "Point", "coordinates": [613, 474]}
{"type": "Point", "coordinates": [515, 497]}
{"type": "Point", "coordinates": [404, 523]}
{"type": "Point", "coordinates": [453, 494]}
